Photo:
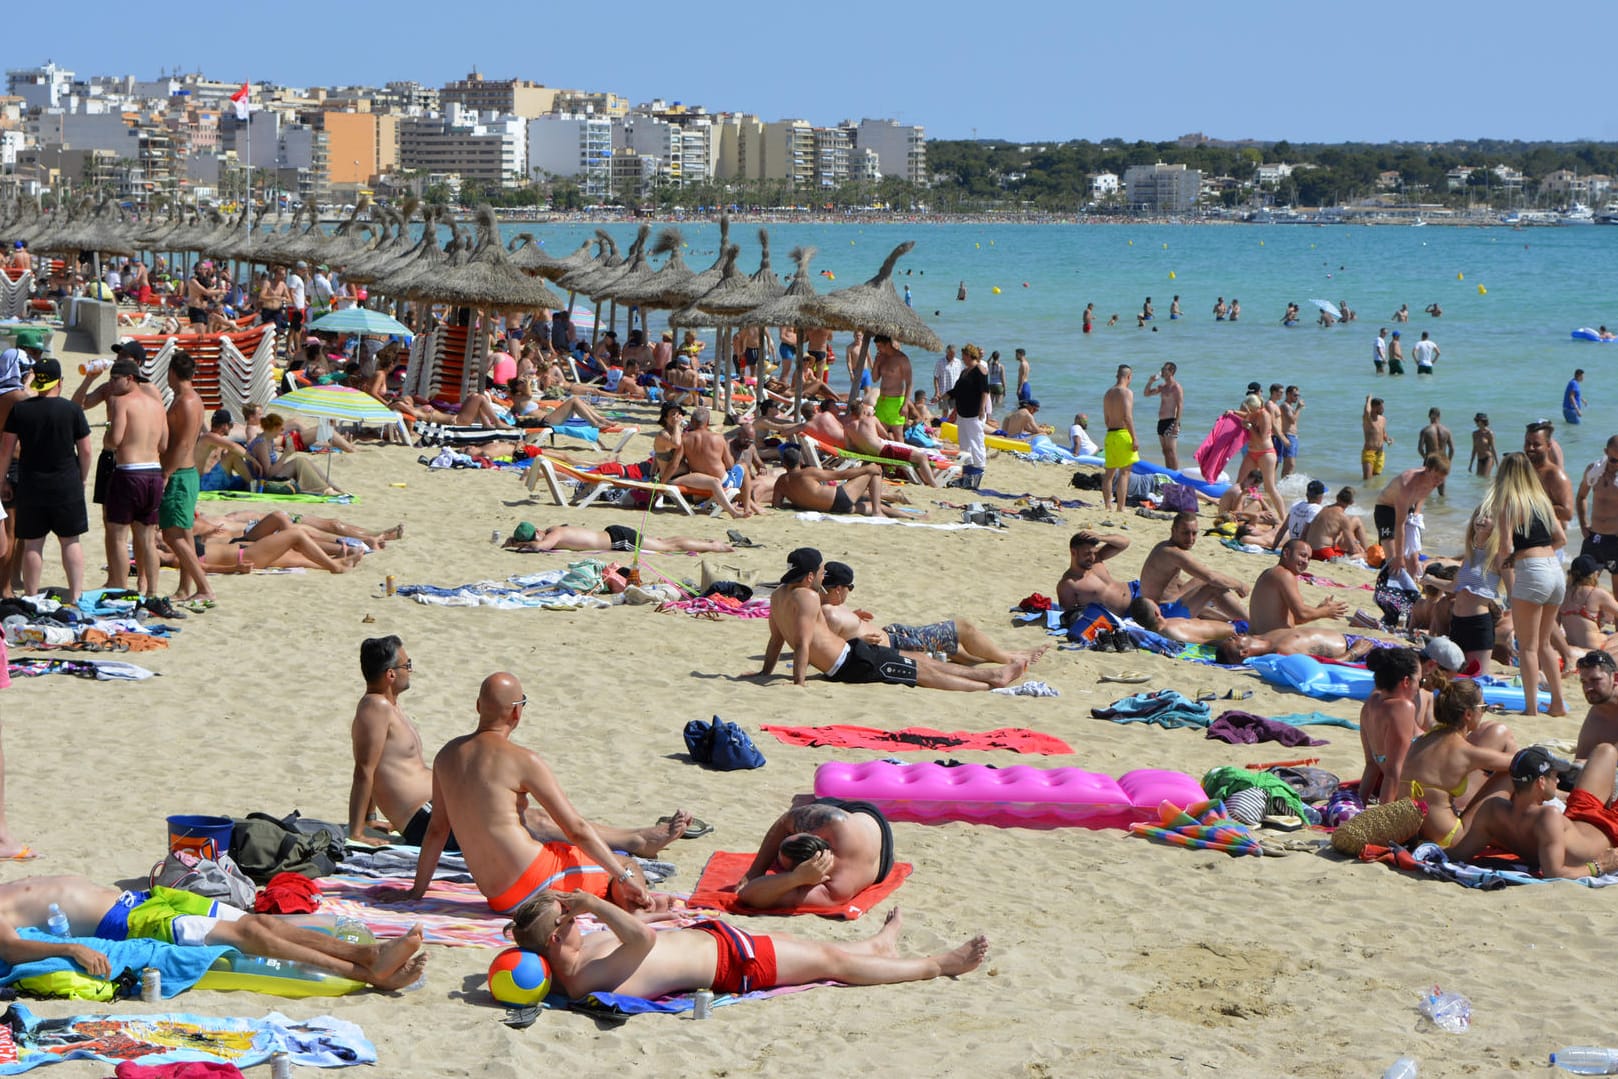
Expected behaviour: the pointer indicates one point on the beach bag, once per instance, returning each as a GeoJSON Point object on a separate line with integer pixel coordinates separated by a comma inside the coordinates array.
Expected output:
{"type": "Point", "coordinates": [187, 871]}
{"type": "Point", "coordinates": [263, 846]}
{"type": "Point", "coordinates": [1179, 498]}
{"type": "Point", "coordinates": [721, 745]}
{"type": "Point", "coordinates": [1084, 624]}
{"type": "Point", "coordinates": [979, 513]}
{"type": "Point", "coordinates": [583, 576]}
{"type": "Point", "coordinates": [1394, 600]}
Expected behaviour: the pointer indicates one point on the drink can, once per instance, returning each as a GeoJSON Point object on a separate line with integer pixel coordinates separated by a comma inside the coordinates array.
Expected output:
{"type": "Point", "coordinates": [494, 537]}
{"type": "Point", "coordinates": [151, 985]}
{"type": "Point", "coordinates": [280, 1066]}
{"type": "Point", "coordinates": [702, 1004]}
{"type": "Point", "coordinates": [390, 585]}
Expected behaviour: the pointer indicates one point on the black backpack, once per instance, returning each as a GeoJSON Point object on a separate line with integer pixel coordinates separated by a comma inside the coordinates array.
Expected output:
{"type": "Point", "coordinates": [263, 846]}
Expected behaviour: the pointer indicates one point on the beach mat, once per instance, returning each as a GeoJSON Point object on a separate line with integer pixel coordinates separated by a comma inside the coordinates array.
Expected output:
{"type": "Point", "coordinates": [919, 739]}
{"type": "Point", "coordinates": [717, 889]}
{"type": "Point", "coordinates": [453, 914]}
{"type": "Point", "coordinates": [266, 496]}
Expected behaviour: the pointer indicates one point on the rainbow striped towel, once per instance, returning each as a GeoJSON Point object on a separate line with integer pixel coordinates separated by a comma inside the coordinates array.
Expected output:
{"type": "Point", "coordinates": [1202, 826]}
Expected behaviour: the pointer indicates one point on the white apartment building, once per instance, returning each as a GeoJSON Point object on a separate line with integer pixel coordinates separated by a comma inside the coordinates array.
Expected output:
{"type": "Point", "coordinates": [1162, 188]}
{"type": "Point", "coordinates": [577, 147]}
{"type": "Point", "coordinates": [658, 140]}
{"type": "Point", "coordinates": [900, 148]}
{"type": "Point", "coordinates": [487, 147]}
{"type": "Point", "coordinates": [1103, 184]}
{"type": "Point", "coordinates": [47, 87]}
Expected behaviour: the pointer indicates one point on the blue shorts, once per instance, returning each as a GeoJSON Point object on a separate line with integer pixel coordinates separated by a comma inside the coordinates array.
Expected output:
{"type": "Point", "coordinates": [1570, 416]}
{"type": "Point", "coordinates": [1172, 609]}
{"type": "Point", "coordinates": [1287, 446]}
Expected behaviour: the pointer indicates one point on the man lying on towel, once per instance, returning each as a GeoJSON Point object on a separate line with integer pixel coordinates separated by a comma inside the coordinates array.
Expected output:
{"type": "Point", "coordinates": [827, 852]}
{"type": "Point", "coordinates": [637, 960]}
{"type": "Point", "coordinates": [1576, 843]}
{"type": "Point", "coordinates": [176, 917]}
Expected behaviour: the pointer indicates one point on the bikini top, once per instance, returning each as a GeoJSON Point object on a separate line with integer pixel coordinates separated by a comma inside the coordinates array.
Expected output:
{"type": "Point", "coordinates": [1532, 533]}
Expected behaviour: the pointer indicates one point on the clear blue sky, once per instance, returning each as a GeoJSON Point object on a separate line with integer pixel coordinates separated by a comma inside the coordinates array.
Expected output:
{"type": "Point", "coordinates": [1372, 71]}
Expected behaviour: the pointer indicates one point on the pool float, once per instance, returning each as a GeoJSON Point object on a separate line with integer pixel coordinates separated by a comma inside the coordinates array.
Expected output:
{"type": "Point", "coordinates": [1212, 488]}
{"type": "Point", "coordinates": [284, 977]}
{"type": "Point", "coordinates": [1332, 681]}
{"type": "Point", "coordinates": [1585, 333]}
{"type": "Point", "coordinates": [1015, 797]}
{"type": "Point", "coordinates": [946, 431]}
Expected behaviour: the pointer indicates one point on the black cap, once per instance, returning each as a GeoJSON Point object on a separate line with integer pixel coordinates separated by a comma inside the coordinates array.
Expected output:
{"type": "Point", "coordinates": [1585, 566]}
{"type": "Point", "coordinates": [47, 373]}
{"type": "Point", "coordinates": [1531, 764]}
{"type": "Point", "coordinates": [801, 563]}
{"type": "Point", "coordinates": [133, 350]}
{"type": "Point", "coordinates": [124, 367]}
{"type": "Point", "coordinates": [838, 573]}
{"type": "Point", "coordinates": [1315, 489]}
{"type": "Point", "coordinates": [1254, 387]}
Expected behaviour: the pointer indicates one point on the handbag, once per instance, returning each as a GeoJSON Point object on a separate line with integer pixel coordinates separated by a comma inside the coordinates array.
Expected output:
{"type": "Point", "coordinates": [212, 878]}
{"type": "Point", "coordinates": [1178, 497]}
{"type": "Point", "coordinates": [721, 745]}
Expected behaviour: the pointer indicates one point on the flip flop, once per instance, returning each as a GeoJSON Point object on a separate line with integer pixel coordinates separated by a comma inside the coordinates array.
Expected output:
{"type": "Point", "coordinates": [1128, 678]}
{"type": "Point", "coordinates": [738, 540]}
{"type": "Point", "coordinates": [1207, 695]}
{"type": "Point", "coordinates": [695, 830]}
{"type": "Point", "coordinates": [1238, 695]}
{"type": "Point", "coordinates": [27, 854]}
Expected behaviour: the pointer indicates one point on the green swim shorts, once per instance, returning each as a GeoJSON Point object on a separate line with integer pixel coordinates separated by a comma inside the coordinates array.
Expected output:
{"type": "Point", "coordinates": [889, 410]}
{"type": "Point", "coordinates": [179, 506]}
{"type": "Point", "coordinates": [154, 919]}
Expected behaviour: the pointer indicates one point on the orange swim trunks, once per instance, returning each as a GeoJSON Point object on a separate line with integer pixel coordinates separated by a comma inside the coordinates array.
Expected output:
{"type": "Point", "coordinates": [1584, 806]}
{"type": "Point", "coordinates": [559, 867]}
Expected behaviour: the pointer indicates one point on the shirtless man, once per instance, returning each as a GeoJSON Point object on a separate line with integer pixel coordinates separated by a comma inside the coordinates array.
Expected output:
{"type": "Point", "coordinates": [103, 912]}
{"type": "Point", "coordinates": [1598, 679]}
{"type": "Point", "coordinates": [1374, 425]}
{"type": "Point", "coordinates": [820, 853]}
{"type": "Point", "coordinates": [1436, 438]}
{"type": "Point", "coordinates": [1396, 353]}
{"type": "Point", "coordinates": [1120, 445]}
{"type": "Point", "coordinates": [868, 434]}
{"type": "Point", "coordinates": [1025, 384]}
{"type": "Point", "coordinates": [482, 784]}
{"type": "Point", "coordinates": [273, 299]}
{"type": "Point", "coordinates": [1170, 406]}
{"type": "Point", "coordinates": [201, 291]}
{"type": "Point", "coordinates": [702, 459]}
{"type": "Point", "coordinates": [1183, 586]}
{"type": "Point", "coordinates": [957, 639]}
{"type": "Point", "coordinates": [1278, 602]}
{"type": "Point", "coordinates": [819, 489]}
{"type": "Point", "coordinates": [391, 775]}
{"type": "Point", "coordinates": [620, 538]}
{"type": "Point", "coordinates": [1538, 445]}
{"type": "Point", "coordinates": [1300, 641]}
{"type": "Point", "coordinates": [1596, 504]}
{"type": "Point", "coordinates": [797, 622]}
{"type": "Point", "coordinates": [892, 374]}
{"type": "Point", "coordinates": [1334, 532]}
{"type": "Point", "coordinates": [1403, 496]}
{"type": "Point", "coordinates": [139, 434]}
{"type": "Point", "coordinates": [1024, 422]}
{"type": "Point", "coordinates": [177, 512]}
{"type": "Point", "coordinates": [1291, 405]}
{"type": "Point", "coordinates": [1087, 579]}
{"type": "Point", "coordinates": [634, 958]}
{"type": "Point", "coordinates": [1571, 844]}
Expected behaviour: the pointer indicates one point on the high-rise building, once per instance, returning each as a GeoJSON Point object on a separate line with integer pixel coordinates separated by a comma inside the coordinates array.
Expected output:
{"type": "Point", "coordinates": [1162, 189]}
{"type": "Point", "coordinates": [489, 148]}
{"type": "Point", "coordinates": [508, 97]}
{"type": "Point", "coordinates": [572, 147]}
{"type": "Point", "coordinates": [833, 156]}
{"type": "Point", "coordinates": [789, 154]}
{"type": "Point", "coordinates": [658, 140]}
{"type": "Point", "coordinates": [45, 87]}
{"type": "Point", "coordinates": [901, 149]}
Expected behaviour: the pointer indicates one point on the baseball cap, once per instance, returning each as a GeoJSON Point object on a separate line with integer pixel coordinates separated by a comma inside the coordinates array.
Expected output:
{"type": "Point", "coordinates": [801, 563]}
{"type": "Point", "coordinates": [1254, 387]}
{"type": "Point", "coordinates": [1396, 333]}
{"type": "Point", "coordinates": [1585, 566]}
{"type": "Point", "coordinates": [524, 532]}
{"type": "Point", "coordinates": [1444, 652]}
{"type": "Point", "coordinates": [839, 573]}
{"type": "Point", "coordinates": [1315, 488]}
{"type": "Point", "coordinates": [124, 367]}
{"type": "Point", "coordinates": [1531, 764]}
{"type": "Point", "coordinates": [47, 373]}
{"type": "Point", "coordinates": [1031, 403]}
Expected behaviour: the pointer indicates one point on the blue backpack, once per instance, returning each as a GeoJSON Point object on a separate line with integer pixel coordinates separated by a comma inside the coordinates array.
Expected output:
{"type": "Point", "coordinates": [721, 745]}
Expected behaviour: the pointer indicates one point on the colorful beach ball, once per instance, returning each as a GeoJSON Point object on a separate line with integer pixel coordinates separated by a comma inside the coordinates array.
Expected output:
{"type": "Point", "coordinates": [519, 977]}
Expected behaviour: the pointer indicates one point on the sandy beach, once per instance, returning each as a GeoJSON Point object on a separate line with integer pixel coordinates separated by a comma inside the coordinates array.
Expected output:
{"type": "Point", "coordinates": [1108, 954]}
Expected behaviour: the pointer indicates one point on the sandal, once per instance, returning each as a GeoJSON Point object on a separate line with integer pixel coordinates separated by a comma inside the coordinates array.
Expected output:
{"type": "Point", "coordinates": [738, 540]}
{"type": "Point", "coordinates": [695, 830]}
{"type": "Point", "coordinates": [1128, 678]}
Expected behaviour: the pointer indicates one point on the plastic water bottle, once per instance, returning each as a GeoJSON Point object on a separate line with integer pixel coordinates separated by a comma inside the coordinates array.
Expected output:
{"type": "Point", "coordinates": [1403, 1068]}
{"type": "Point", "coordinates": [1586, 1060]}
{"type": "Point", "coordinates": [1449, 1011]}
{"type": "Point", "coordinates": [56, 922]}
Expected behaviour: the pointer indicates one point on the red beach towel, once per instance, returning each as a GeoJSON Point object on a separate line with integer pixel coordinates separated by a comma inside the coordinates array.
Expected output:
{"type": "Point", "coordinates": [919, 739]}
{"type": "Point", "coordinates": [716, 889]}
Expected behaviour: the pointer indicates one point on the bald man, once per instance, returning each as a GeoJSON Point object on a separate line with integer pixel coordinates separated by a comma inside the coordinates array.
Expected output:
{"type": "Point", "coordinates": [481, 784]}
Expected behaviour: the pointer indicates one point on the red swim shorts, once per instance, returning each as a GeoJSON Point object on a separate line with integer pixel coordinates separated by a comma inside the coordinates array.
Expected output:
{"type": "Point", "coordinates": [744, 963]}
{"type": "Point", "coordinates": [1584, 806]}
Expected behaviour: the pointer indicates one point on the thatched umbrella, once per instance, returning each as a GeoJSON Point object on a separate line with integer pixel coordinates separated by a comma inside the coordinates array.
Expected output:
{"type": "Point", "coordinates": [793, 308]}
{"type": "Point", "coordinates": [606, 266]}
{"type": "Point", "coordinates": [425, 258]}
{"type": "Point", "coordinates": [527, 254]}
{"type": "Point", "coordinates": [600, 284]}
{"type": "Point", "coordinates": [719, 309]}
{"type": "Point", "coordinates": [875, 308]}
{"type": "Point", "coordinates": [99, 232]}
{"type": "Point", "coordinates": [387, 254]}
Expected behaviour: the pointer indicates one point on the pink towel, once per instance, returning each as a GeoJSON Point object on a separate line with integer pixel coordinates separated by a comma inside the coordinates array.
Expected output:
{"type": "Point", "coordinates": [1226, 440]}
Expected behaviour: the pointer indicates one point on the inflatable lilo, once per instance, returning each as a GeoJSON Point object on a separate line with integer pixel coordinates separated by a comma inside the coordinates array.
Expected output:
{"type": "Point", "coordinates": [1333, 681]}
{"type": "Point", "coordinates": [1015, 797]}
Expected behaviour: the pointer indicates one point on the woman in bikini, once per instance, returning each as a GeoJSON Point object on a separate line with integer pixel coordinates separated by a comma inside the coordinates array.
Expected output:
{"type": "Point", "coordinates": [1388, 721]}
{"type": "Point", "coordinates": [1587, 606]}
{"type": "Point", "coordinates": [1457, 764]}
{"type": "Point", "coordinates": [1259, 423]}
{"type": "Point", "coordinates": [270, 465]}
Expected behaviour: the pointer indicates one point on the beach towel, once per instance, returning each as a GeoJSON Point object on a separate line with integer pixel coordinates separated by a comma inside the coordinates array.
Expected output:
{"type": "Point", "coordinates": [698, 606]}
{"type": "Point", "coordinates": [102, 670]}
{"type": "Point", "coordinates": [1429, 859]}
{"type": "Point", "coordinates": [620, 1006]}
{"type": "Point", "coordinates": [453, 914]}
{"type": "Point", "coordinates": [716, 889]}
{"type": "Point", "coordinates": [1203, 826]}
{"type": "Point", "coordinates": [1246, 728]}
{"type": "Point", "coordinates": [181, 966]}
{"type": "Point", "coordinates": [268, 496]}
{"type": "Point", "coordinates": [919, 739]}
{"type": "Point", "coordinates": [27, 1041]}
{"type": "Point", "coordinates": [1165, 707]}
{"type": "Point", "coordinates": [1226, 440]}
{"type": "Point", "coordinates": [190, 1069]}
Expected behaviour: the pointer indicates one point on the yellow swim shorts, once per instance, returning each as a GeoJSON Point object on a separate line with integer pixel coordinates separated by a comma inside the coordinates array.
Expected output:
{"type": "Point", "coordinates": [1120, 449]}
{"type": "Point", "coordinates": [1374, 458]}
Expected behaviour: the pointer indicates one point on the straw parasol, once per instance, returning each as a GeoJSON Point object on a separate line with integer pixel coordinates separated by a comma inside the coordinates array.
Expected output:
{"type": "Point", "coordinates": [795, 308]}
{"type": "Point", "coordinates": [387, 254]}
{"type": "Point", "coordinates": [487, 279]}
{"type": "Point", "coordinates": [655, 289]}
{"type": "Point", "coordinates": [607, 258]}
{"type": "Point", "coordinates": [425, 258]}
{"type": "Point", "coordinates": [530, 256]}
{"type": "Point", "coordinates": [875, 308]}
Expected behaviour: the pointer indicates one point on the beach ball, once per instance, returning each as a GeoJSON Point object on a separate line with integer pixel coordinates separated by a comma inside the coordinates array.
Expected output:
{"type": "Point", "coordinates": [519, 977]}
{"type": "Point", "coordinates": [997, 290]}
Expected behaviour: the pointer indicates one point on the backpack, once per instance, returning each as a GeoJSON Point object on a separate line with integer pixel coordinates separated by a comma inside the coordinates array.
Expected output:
{"type": "Point", "coordinates": [264, 846]}
{"type": "Point", "coordinates": [211, 878]}
{"type": "Point", "coordinates": [1179, 498]}
{"type": "Point", "coordinates": [721, 745]}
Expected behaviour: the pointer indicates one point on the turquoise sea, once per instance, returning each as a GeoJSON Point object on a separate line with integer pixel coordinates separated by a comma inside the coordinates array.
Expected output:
{"type": "Point", "coordinates": [1510, 299]}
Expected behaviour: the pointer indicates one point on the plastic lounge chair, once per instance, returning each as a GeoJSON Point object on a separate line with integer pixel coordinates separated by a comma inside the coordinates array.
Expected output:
{"type": "Point", "coordinates": [594, 485]}
{"type": "Point", "coordinates": [844, 458]}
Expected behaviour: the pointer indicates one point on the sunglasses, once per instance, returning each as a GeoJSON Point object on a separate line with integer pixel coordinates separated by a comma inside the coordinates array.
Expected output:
{"type": "Point", "coordinates": [1597, 659]}
{"type": "Point", "coordinates": [407, 665]}
{"type": "Point", "coordinates": [520, 701]}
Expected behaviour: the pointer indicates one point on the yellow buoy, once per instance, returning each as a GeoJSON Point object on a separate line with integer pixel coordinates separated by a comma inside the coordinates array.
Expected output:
{"type": "Point", "coordinates": [978, 246]}
{"type": "Point", "coordinates": [1171, 275]}
{"type": "Point", "coordinates": [996, 290]}
{"type": "Point", "coordinates": [1482, 291]}
{"type": "Point", "coordinates": [1165, 247]}
{"type": "Point", "coordinates": [1460, 277]}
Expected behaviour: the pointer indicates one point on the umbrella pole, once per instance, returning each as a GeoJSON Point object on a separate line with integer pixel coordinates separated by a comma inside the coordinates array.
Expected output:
{"type": "Point", "coordinates": [797, 374]}
{"type": "Point", "coordinates": [595, 325]}
{"type": "Point", "coordinates": [858, 367]}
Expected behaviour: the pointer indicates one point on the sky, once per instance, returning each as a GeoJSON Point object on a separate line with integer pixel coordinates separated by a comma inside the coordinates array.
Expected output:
{"type": "Point", "coordinates": [1374, 71]}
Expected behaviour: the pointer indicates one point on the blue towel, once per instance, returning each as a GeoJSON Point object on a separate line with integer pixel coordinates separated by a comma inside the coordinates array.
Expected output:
{"type": "Point", "coordinates": [1304, 719]}
{"type": "Point", "coordinates": [180, 966]}
{"type": "Point", "coordinates": [1165, 707]}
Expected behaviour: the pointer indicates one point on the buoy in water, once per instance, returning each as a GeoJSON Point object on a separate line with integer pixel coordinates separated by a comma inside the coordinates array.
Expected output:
{"type": "Point", "coordinates": [996, 290]}
{"type": "Point", "coordinates": [1482, 291]}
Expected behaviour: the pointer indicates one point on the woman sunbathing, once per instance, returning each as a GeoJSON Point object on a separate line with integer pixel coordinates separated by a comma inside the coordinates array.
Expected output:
{"type": "Point", "coordinates": [1457, 764]}
{"type": "Point", "coordinates": [268, 464]}
{"type": "Point", "coordinates": [292, 548]}
{"type": "Point", "coordinates": [254, 525]}
{"type": "Point", "coordinates": [615, 538]}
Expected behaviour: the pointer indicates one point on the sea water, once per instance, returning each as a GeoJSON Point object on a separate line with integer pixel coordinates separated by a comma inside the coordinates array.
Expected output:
{"type": "Point", "coordinates": [1509, 297]}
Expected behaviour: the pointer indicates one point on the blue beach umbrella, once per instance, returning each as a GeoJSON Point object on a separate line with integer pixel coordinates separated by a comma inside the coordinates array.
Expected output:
{"type": "Point", "coordinates": [360, 320]}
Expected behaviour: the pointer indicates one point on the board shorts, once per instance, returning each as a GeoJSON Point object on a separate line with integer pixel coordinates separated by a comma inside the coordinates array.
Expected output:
{"type": "Point", "coordinates": [1384, 518]}
{"type": "Point", "coordinates": [1326, 554]}
{"type": "Point", "coordinates": [1586, 807]}
{"type": "Point", "coordinates": [1538, 580]}
{"type": "Point", "coordinates": [1286, 446]}
{"type": "Point", "coordinates": [623, 537]}
{"type": "Point", "coordinates": [1170, 426]}
{"type": "Point", "coordinates": [934, 637]}
{"type": "Point", "coordinates": [1567, 413]}
{"type": "Point", "coordinates": [864, 663]}
{"type": "Point", "coordinates": [1168, 609]}
{"type": "Point", "coordinates": [890, 411]}
{"type": "Point", "coordinates": [133, 495]}
{"type": "Point", "coordinates": [415, 829]}
{"type": "Point", "coordinates": [56, 510]}
{"type": "Point", "coordinates": [1119, 449]}
{"type": "Point", "coordinates": [165, 914]}
{"type": "Point", "coordinates": [559, 867]}
{"type": "Point", "coordinates": [1603, 548]}
{"type": "Point", "coordinates": [1374, 458]}
{"type": "Point", "coordinates": [178, 508]}
{"type": "Point", "coordinates": [744, 963]}
{"type": "Point", "coordinates": [1472, 632]}
{"type": "Point", "coordinates": [106, 462]}
{"type": "Point", "coordinates": [884, 859]}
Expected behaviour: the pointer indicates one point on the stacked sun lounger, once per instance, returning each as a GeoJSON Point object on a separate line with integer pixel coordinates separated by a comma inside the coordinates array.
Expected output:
{"type": "Point", "coordinates": [15, 285]}
{"type": "Point", "coordinates": [206, 349]}
{"type": "Point", "coordinates": [246, 380]}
